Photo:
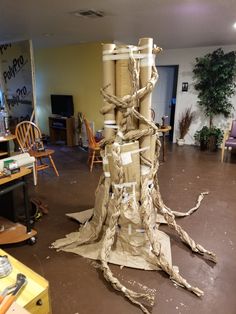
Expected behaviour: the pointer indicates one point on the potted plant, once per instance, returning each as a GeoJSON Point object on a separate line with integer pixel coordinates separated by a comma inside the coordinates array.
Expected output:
{"type": "Point", "coordinates": [209, 138]}
{"type": "Point", "coordinates": [184, 124]}
{"type": "Point", "coordinates": [214, 76]}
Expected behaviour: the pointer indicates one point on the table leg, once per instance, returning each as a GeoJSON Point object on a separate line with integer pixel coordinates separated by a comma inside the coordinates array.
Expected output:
{"type": "Point", "coordinates": [163, 146]}
{"type": "Point", "coordinates": [26, 203]}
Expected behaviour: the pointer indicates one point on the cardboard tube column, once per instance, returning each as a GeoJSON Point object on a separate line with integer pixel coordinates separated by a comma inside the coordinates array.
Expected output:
{"type": "Point", "coordinates": [146, 64]}
{"type": "Point", "coordinates": [123, 78]}
{"type": "Point", "coordinates": [109, 80]}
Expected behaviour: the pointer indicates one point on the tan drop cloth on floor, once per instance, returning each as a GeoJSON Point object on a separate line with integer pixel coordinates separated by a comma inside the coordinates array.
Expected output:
{"type": "Point", "coordinates": [121, 255]}
{"type": "Point", "coordinates": [85, 215]}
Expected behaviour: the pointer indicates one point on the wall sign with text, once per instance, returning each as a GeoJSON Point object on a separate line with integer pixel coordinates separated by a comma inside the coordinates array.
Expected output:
{"type": "Point", "coordinates": [16, 78]}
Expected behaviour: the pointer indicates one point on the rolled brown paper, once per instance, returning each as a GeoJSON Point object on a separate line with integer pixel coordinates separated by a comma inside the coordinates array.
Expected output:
{"type": "Point", "coordinates": [146, 64]}
{"type": "Point", "coordinates": [109, 81]}
{"type": "Point", "coordinates": [123, 78]}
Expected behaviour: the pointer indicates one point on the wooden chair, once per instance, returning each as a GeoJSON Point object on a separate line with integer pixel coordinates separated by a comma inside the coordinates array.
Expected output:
{"type": "Point", "coordinates": [93, 147]}
{"type": "Point", "coordinates": [29, 138]}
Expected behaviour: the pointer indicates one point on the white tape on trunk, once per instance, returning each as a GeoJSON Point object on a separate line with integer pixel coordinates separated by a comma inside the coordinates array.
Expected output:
{"type": "Point", "coordinates": [105, 160]}
{"type": "Point", "coordinates": [148, 61]}
{"type": "Point", "coordinates": [124, 185]}
{"type": "Point", "coordinates": [128, 48]}
{"type": "Point", "coordinates": [107, 174]}
{"type": "Point", "coordinates": [129, 229]}
{"type": "Point", "coordinates": [145, 170]}
{"type": "Point", "coordinates": [126, 158]}
{"type": "Point", "coordinates": [139, 150]}
{"type": "Point", "coordinates": [120, 134]}
{"type": "Point", "coordinates": [126, 56]}
{"type": "Point", "coordinates": [110, 122]}
{"type": "Point", "coordinates": [140, 230]}
{"type": "Point", "coordinates": [111, 126]}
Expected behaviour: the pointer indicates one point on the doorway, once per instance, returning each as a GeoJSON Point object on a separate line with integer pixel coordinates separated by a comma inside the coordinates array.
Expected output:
{"type": "Point", "coordinates": [164, 95]}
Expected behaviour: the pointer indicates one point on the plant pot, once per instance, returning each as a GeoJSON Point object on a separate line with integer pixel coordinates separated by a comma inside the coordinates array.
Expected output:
{"type": "Point", "coordinates": [180, 141]}
{"type": "Point", "coordinates": [212, 143]}
{"type": "Point", "coordinates": [203, 145]}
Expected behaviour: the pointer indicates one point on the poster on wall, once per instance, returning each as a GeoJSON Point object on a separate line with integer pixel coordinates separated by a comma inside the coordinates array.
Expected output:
{"type": "Point", "coordinates": [17, 80]}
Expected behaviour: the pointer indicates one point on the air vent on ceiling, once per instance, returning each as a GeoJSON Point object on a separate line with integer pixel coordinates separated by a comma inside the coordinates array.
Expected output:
{"type": "Point", "coordinates": [88, 13]}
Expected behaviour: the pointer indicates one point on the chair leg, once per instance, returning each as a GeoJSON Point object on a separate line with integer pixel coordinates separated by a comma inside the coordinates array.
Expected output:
{"type": "Point", "coordinates": [53, 165]}
{"type": "Point", "coordinates": [222, 153]}
{"type": "Point", "coordinates": [89, 156]}
{"type": "Point", "coordinates": [92, 160]}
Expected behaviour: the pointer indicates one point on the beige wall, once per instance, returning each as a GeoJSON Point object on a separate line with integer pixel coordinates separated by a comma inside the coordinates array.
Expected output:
{"type": "Point", "coordinates": [74, 69]}
{"type": "Point", "coordinates": [77, 70]}
{"type": "Point", "coordinates": [185, 58]}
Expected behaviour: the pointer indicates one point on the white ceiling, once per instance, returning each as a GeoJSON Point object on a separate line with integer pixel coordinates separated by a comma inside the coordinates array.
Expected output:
{"type": "Point", "coordinates": [172, 23]}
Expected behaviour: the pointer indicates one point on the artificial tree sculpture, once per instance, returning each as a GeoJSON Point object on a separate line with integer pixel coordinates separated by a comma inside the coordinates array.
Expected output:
{"type": "Point", "coordinates": [124, 225]}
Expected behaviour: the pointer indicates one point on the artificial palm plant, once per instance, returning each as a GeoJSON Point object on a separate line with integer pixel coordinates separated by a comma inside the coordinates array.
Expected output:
{"type": "Point", "coordinates": [214, 76]}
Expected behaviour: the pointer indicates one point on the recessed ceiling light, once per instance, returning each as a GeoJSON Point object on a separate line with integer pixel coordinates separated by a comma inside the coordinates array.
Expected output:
{"type": "Point", "coordinates": [234, 26]}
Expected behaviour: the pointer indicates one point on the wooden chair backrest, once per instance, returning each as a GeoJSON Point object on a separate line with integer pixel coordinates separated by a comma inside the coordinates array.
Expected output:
{"type": "Point", "coordinates": [91, 139]}
{"type": "Point", "coordinates": [26, 133]}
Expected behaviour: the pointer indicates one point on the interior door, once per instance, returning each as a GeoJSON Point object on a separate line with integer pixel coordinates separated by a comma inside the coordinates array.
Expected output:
{"type": "Point", "coordinates": [164, 95]}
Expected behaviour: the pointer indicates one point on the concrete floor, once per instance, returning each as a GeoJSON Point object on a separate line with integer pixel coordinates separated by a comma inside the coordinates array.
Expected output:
{"type": "Point", "coordinates": [76, 286]}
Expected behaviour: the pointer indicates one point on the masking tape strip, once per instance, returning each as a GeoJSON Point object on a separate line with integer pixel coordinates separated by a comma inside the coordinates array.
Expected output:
{"type": "Point", "coordinates": [139, 150]}
{"type": "Point", "coordinates": [128, 48]}
{"type": "Point", "coordinates": [111, 126]}
{"type": "Point", "coordinates": [109, 121]}
{"type": "Point", "coordinates": [129, 229]}
{"type": "Point", "coordinates": [127, 56]}
{"type": "Point", "coordinates": [145, 170]}
{"type": "Point", "coordinates": [120, 134]}
{"type": "Point", "coordinates": [124, 185]}
{"type": "Point", "coordinates": [105, 160]}
{"type": "Point", "coordinates": [140, 230]}
{"type": "Point", "coordinates": [132, 151]}
{"type": "Point", "coordinates": [126, 158]}
{"type": "Point", "coordinates": [148, 61]}
{"type": "Point", "coordinates": [107, 174]}
{"type": "Point", "coordinates": [109, 51]}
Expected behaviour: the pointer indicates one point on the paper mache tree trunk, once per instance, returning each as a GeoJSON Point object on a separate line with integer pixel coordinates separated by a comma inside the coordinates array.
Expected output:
{"type": "Point", "coordinates": [128, 206]}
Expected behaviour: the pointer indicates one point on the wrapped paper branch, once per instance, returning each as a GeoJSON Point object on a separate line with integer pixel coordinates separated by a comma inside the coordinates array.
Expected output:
{"type": "Point", "coordinates": [127, 100]}
{"type": "Point", "coordinates": [192, 210]}
{"type": "Point", "coordinates": [170, 219]}
{"type": "Point", "coordinates": [146, 212]}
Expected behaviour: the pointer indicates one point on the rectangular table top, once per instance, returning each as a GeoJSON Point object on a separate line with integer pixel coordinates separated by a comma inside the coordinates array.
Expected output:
{"type": "Point", "coordinates": [23, 172]}
{"type": "Point", "coordinates": [7, 138]}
